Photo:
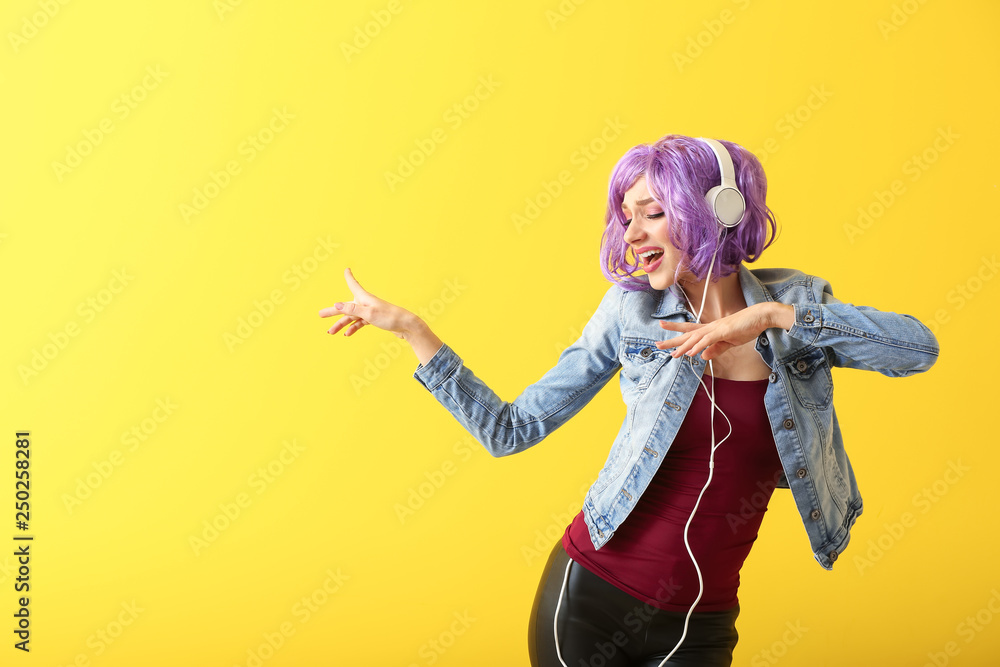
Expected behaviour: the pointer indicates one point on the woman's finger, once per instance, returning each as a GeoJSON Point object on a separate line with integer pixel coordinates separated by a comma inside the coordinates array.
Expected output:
{"type": "Point", "coordinates": [715, 350]}
{"type": "Point", "coordinates": [340, 324]}
{"type": "Point", "coordinates": [354, 327]}
{"type": "Point", "coordinates": [680, 326]}
{"type": "Point", "coordinates": [354, 310]}
{"type": "Point", "coordinates": [682, 346]}
{"type": "Point", "coordinates": [703, 341]}
{"type": "Point", "coordinates": [698, 346]}
{"type": "Point", "coordinates": [690, 348]}
{"type": "Point", "coordinates": [335, 309]}
{"type": "Point", "coordinates": [352, 284]}
{"type": "Point", "coordinates": [672, 342]}
{"type": "Point", "coordinates": [348, 307]}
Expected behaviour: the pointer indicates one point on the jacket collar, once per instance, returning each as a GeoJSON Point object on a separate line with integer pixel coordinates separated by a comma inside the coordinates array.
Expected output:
{"type": "Point", "coordinates": [672, 300]}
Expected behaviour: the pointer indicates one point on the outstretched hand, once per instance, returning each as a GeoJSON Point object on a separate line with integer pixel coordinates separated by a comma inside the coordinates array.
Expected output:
{"type": "Point", "coordinates": [366, 308]}
{"type": "Point", "coordinates": [714, 338]}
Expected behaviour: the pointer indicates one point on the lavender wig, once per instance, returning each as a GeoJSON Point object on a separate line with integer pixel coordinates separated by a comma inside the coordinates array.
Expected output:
{"type": "Point", "coordinates": [679, 171]}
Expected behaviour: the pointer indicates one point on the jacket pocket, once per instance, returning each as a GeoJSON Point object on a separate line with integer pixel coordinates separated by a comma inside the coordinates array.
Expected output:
{"type": "Point", "coordinates": [811, 379]}
{"type": "Point", "coordinates": [641, 359]}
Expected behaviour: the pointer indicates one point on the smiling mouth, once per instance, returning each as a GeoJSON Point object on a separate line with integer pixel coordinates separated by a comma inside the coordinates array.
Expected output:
{"type": "Point", "coordinates": [651, 259]}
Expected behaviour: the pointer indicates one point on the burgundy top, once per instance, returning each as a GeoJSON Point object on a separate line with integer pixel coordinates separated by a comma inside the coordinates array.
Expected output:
{"type": "Point", "coordinates": [646, 557]}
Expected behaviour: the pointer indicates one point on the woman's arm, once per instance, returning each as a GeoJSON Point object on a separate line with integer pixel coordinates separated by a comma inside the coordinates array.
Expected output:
{"type": "Point", "coordinates": [861, 337]}
{"type": "Point", "coordinates": [424, 342]}
{"type": "Point", "coordinates": [715, 337]}
{"type": "Point", "coordinates": [502, 427]}
{"type": "Point", "coordinates": [508, 427]}
{"type": "Point", "coordinates": [894, 344]}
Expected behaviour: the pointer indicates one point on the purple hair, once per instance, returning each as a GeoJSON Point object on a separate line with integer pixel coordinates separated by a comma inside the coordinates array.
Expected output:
{"type": "Point", "coordinates": [679, 171]}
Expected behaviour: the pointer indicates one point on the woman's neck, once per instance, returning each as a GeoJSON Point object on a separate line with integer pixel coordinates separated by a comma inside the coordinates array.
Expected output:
{"type": "Point", "coordinates": [725, 297]}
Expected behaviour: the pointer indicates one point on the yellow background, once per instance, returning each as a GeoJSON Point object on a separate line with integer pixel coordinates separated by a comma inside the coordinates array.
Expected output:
{"type": "Point", "coordinates": [837, 99]}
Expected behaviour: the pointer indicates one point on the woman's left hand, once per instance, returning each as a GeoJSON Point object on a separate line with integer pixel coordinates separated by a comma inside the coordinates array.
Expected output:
{"type": "Point", "coordinates": [714, 338]}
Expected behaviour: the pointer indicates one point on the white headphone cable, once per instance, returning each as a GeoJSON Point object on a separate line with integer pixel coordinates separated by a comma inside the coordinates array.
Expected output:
{"type": "Point", "coordinates": [555, 616]}
{"type": "Point", "coordinates": [711, 465]}
{"type": "Point", "coordinates": [711, 468]}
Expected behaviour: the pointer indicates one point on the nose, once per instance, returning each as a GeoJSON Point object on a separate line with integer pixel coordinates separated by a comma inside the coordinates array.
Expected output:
{"type": "Point", "coordinates": [633, 232]}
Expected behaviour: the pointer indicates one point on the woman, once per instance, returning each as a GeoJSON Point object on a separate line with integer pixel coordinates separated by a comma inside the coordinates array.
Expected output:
{"type": "Point", "coordinates": [741, 403]}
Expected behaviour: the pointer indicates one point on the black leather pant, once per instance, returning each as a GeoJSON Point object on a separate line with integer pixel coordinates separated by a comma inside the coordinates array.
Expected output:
{"type": "Point", "coordinates": [600, 625]}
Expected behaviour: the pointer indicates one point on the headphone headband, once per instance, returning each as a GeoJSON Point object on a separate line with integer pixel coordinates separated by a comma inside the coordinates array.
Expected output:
{"type": "Point", "coordinates": [726, 199]}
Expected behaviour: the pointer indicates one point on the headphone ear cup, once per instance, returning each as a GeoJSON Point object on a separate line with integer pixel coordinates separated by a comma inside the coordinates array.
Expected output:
{"type": "Point", "coordinates": [727, 205]}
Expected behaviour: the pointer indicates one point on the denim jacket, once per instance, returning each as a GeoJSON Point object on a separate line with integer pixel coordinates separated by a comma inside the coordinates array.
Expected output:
{"type": "Point", "coordinates": [657, 390]}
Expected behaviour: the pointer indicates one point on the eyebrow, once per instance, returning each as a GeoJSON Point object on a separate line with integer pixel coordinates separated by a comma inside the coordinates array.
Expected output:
{"type": "Point", "coordinates": [641, 202]}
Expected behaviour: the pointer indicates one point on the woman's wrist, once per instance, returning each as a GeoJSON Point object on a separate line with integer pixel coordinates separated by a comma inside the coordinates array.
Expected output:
{"type": "Point", "coordinates": [424, 342]}
{"type": "Point", "coordinates": [782, 315]}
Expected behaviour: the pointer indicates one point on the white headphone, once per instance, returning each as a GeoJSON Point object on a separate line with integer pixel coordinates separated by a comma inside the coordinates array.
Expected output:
{"type": "Point", "coordinates": [726, 199]}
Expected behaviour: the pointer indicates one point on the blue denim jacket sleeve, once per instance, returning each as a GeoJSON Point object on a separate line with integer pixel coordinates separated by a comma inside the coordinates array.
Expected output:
{"type": "Point", "coordinates": [504, 427]}
{"type": "Point", "coordinates": [863, 337]}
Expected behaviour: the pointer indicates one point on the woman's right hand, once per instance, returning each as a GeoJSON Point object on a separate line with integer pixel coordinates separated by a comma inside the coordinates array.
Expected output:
{"type": "Point", "coordinates": [367, 308]}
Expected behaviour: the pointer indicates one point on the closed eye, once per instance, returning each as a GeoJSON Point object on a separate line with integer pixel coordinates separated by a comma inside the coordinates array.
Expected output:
{"type": "Point", "coordinates": [649, 217]}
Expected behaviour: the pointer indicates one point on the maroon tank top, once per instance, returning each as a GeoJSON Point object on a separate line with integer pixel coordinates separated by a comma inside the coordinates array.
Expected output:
{"type": "Point", "coordinates": [647, 557]}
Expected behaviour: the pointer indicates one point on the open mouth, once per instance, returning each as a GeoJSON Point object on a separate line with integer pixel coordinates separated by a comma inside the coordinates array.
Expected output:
{"type": "Point", "coordinates": [649, 260]}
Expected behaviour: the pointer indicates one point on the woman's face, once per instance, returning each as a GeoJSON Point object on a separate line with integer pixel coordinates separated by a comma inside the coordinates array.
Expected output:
{"type": "Point", "coordinates": [646, 234]}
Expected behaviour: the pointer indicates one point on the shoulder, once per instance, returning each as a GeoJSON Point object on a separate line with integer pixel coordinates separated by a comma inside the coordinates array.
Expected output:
{"type": "Point", "coordinates": [792, 285]}
{"type": "Point", "coordinates": [620, 298]}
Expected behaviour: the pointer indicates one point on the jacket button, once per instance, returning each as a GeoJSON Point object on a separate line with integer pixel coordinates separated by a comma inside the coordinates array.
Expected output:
{"type": "Point", "coordinates": [808, 317]}
{"type": "Point", "coordinates": [772, 378]}
{"type": "Point", "coordinates": [801, 365]}
{"type": "Point", "coordinates": [763, 340]}
{"type": "Point", "coordinates": [599, 532]}
{"type": "Point", "coordinates": [801, 472]}
{"type": "Point", "coordinates": [815, 514]}
{"type": "Point", "coordinates": [788, 423]}
{"type": "Point", "coordinates": [833, 555]}
{"type": "Point", "coordinates": [645, 352]}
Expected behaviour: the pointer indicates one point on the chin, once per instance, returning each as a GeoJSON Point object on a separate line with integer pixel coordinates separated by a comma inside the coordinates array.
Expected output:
{"type": "Point", "coordinates": [659, 282]}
